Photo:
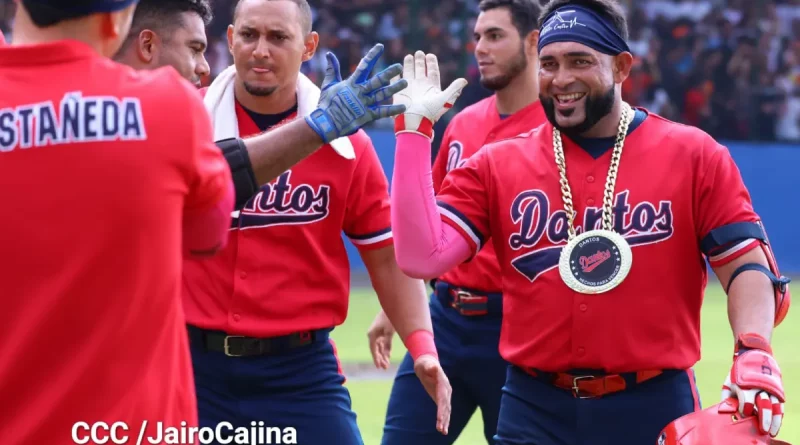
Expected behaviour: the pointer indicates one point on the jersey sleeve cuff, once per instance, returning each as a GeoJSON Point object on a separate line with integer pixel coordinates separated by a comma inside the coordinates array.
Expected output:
{"type": "Point", "coordinates": [452, 217]}
{"type": "Point", "coordinates": [732, 252]}
{"type": "Point", "coordinates": [373, 240]}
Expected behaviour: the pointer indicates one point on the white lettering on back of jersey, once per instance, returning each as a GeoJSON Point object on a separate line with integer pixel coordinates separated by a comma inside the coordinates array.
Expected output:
{"type": "Point", "coordinates": [76, 119]}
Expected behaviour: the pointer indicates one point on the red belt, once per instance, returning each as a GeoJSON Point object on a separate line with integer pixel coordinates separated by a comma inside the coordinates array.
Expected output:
{"type": "Point", "coordinates": [589, 386]}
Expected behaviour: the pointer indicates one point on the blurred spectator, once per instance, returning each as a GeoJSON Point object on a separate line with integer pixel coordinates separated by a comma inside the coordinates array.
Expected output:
{"type": "Point", "coordinates": [730, 67]}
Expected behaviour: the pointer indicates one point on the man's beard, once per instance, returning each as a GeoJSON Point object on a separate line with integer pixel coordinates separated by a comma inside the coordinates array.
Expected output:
{"type": "Point", "coordinates": [595, 109]}
{"type": "Point", "coordinates": [259, 91]}
{"type": "Point", "coordinates": [518, 65]}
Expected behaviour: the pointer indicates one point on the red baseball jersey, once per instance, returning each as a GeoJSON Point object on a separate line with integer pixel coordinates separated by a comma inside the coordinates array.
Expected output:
{"type": "Point", "coordinates": [472, 128]}
{"type": "Point", "coordinates": [675, 185]}
{"type": "Point", "coordinates": [285, 268]}
{"type": "Point", "coordinates": [98, 172]}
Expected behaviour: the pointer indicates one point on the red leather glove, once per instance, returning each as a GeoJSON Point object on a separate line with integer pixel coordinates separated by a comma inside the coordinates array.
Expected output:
{"type": "Point", "coordinates": [755, 380]}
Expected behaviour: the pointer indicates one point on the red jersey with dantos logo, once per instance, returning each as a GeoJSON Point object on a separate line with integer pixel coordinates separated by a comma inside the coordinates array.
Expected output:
{"type": "Point", "coordinates": [285, 268]}
{"type": "Point", "coordinates": [675, 185]}
{"type": "Point", "coordinates": [100, 166]}
{"type": "Point", "coordinates": [472, 128]}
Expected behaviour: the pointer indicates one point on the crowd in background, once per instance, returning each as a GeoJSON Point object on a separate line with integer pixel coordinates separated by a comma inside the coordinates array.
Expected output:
{"type": "Point", "coordinates": [730, 67]}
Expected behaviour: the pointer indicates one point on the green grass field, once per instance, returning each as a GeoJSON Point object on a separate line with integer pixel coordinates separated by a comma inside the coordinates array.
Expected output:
{"type": "Point", "coordinates": [370, 396]}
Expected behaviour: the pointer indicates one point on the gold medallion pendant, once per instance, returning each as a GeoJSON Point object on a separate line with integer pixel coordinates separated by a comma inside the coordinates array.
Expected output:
{"type": "Point", "coordinates": [595, 261]}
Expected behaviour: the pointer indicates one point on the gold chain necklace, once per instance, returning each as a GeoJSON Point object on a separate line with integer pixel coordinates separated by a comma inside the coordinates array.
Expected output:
{"type": "Point", "coordinates": [597, 260]}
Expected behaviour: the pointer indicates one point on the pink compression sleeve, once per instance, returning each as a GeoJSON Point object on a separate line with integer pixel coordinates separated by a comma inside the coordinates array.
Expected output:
{"type": "Point", "coordinates": [206, 231]}
{"type": "Point", "coordinates": [425, 247]}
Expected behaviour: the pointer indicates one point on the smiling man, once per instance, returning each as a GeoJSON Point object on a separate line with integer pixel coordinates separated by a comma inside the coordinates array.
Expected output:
{"type": "Point", "coordinates": [601, 220]}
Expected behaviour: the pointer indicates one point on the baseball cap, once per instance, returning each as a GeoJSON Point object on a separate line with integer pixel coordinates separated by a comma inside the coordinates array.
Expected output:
{"type": "Point", "coordinates": [46, 13]}
{"type": "Point", "coordinates": [82, 7]}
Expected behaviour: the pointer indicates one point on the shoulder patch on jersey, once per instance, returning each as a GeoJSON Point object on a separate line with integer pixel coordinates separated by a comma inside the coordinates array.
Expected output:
{"type": "Point", "coordinates": [531, 211]}
{"type": "Point", "coordinates": [76, 119]}
{"type": "Point", "coordinates": [282, 203]}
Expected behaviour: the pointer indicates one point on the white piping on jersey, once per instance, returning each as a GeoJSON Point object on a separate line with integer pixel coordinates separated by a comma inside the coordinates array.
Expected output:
{"type": "Point", "coordinates": [732, 250]}
{"type": "Point", "coordinates": [464, 226]}
{"type": "Point", "coordinates": [372, 240]}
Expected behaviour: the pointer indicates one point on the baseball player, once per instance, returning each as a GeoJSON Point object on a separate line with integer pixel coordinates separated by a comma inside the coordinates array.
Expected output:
{"type": "Point", "coordinates": [601, 220]}
{"type": "Point", "coordinates": [172, 33]}
{"type": "Point", "coordinates": [102, 198]}
{"type": "Point", "coordinates": [260, 313]}
{"type": "Point", "coordinates": [466, 306]}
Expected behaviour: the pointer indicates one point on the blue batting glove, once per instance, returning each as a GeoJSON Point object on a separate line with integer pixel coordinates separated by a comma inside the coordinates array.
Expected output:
{"type": "Point", "coordinates": [346, 106]}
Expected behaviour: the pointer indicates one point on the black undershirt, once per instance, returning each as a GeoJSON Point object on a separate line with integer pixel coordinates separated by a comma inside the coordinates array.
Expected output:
{"type": "Point", "coordinates": [266, 121]}
{"type": "Point", "coordinates": [596, 147]}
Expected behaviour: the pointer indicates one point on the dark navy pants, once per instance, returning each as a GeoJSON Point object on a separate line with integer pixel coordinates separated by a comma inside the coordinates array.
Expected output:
{"type": "Point", "coordinates": [301, 389]}
{"type": "Point", "coordinates": [536, 413]}
{"type": "Point", "coordinates": [468, 352]}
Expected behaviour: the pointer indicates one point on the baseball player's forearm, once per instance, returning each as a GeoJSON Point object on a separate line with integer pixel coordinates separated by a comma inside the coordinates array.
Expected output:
{"type": "Point", "coordinates": [426, 247]}
{"type": "Point", "coordinates": [274, 152]}
{"type": "Point", "coordinates": [403, 299]}
{"type": "Point", "coordinates": [751, 298]}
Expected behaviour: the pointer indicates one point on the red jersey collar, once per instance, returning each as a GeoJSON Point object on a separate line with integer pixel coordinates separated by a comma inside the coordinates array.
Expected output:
{"type": "Point", "coordinates": [45, 53]}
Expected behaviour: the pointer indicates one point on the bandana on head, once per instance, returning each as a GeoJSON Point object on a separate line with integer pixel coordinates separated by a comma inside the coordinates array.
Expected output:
{"type": "Point", "coordinates": [575, 23]}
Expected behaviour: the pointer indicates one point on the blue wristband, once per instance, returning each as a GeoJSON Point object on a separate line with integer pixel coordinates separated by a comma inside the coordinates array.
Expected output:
{"type": "Point", "coordinates": [322, 124]}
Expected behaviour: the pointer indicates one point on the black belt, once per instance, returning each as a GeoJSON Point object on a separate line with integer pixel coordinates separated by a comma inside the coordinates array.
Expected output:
{"type": "Point", "coordinates": [468, 302]}
{"type": "Point", "coordinates": [242, 346]}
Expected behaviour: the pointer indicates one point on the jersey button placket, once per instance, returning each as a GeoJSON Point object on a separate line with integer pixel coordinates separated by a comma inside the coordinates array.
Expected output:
{"type": "Point", "coordinates": [591, 189]}
{"type": "Point", "coordinates": [236, 317]}
{"type": "Point", "coordinates": [238, 276]}
{"type": "Point", "coordinates": [581, 330]}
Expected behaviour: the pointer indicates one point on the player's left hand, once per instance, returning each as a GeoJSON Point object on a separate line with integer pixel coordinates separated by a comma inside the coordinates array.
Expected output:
{"type": "Point", "coordinates": [755, 380]}
{"type": "Point", "coordinates": [430, 373]}
{"type": "Point", "coordinates": [424, 99]}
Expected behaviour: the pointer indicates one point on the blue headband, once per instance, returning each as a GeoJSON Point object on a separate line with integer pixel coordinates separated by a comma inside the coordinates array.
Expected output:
{"type": "Point", "coordinates": [85, 6]}
{"type": "Point", "coordinates": [574, 23]}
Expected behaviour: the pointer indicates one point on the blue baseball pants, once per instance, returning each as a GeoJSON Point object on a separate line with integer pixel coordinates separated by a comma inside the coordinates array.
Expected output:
{"type": "Point", "coordinates": [534, 412]}
{"type": "Point", "coordinates": [301, 388]}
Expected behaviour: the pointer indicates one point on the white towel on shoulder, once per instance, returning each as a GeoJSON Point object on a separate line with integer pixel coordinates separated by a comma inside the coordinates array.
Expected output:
{"type": "Point", "coordinates": [221, 105]}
